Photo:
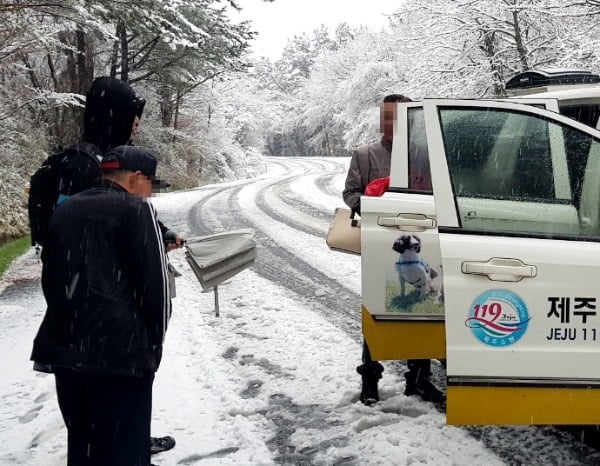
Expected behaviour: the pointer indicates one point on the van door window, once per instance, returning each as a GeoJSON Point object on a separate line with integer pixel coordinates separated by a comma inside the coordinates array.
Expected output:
{"type": "Point", "coordinates": [504, 166]}
{"type": "Point", "coordinates": [419, 174]}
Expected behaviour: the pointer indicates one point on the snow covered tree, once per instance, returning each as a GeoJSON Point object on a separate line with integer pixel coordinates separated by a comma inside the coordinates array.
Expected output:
{"type": "Point", "coordinates": [461, 48]}
{"type": "Point", "coordinates": [480, 44]}
{"type": "Point", "coordinates": [51, 51]}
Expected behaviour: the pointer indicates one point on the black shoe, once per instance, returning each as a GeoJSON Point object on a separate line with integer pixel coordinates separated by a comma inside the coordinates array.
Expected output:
{"type": "Point", "coordinates": [423, 388]}
{"type": "Point", "coordinates": [371, 373]}
{"type": "Point", "coordinates": [160, 444]}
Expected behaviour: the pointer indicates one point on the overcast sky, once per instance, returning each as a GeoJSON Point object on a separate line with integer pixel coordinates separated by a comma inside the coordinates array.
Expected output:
{"type": "Point", "coordinates": [280, 20]}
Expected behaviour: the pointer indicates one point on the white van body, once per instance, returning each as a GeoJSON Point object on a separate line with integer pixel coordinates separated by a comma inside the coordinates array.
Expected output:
{"type": "Point", "coordinates": [486, 251]}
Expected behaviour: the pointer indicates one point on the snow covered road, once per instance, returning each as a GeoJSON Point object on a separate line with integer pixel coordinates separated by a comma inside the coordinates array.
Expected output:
{"type": "Point", "coordinates": [272, 380]}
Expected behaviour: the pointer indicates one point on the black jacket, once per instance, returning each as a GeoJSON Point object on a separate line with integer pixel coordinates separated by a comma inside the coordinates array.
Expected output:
{"type": "Point", "coordinates": [105, 282]}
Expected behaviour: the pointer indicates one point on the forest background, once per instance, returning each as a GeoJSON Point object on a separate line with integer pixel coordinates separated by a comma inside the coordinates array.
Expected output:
{"type": "Point", "coordinates": [213, 110]}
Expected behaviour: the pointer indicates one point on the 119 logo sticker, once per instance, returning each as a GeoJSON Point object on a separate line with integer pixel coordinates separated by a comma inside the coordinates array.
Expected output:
{"type": "Point", "coordinates": [498, 318]}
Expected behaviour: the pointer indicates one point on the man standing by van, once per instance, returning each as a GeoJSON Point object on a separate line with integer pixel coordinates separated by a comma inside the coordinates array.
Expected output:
{"type": "Point", "coordinates": [370, 162]}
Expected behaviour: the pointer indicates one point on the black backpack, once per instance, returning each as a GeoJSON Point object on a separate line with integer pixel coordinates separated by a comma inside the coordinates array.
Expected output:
{"type": "Point", "coordinates": [62, 174]}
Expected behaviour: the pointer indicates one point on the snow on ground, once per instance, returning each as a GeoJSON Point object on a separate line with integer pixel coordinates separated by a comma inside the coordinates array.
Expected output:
{"type": "Point", "coordinates": [270, 381]}
{"type": "Point", "coordinates": [211, 392]}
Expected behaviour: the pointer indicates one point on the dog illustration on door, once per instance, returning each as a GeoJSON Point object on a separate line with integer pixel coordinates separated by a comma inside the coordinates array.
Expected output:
{"type": "Point", "coordinates": [412, 269]}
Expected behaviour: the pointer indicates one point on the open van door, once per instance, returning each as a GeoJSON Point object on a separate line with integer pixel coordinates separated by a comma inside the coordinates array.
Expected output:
{"type": "Point", "coordinates": [517, 193]}
{"type": "Point", "coordinates": [402, 309]}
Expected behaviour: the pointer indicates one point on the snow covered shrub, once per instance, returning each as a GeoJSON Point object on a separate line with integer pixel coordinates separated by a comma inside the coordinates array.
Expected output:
{"type": "Point", "coordinates": [13, 208]}
{"type": "Point", "coordinates": [23, 150]}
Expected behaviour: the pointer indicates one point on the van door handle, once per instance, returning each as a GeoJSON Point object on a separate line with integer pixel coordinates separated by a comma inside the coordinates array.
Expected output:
{"type": "Point", "coordinates": [500, 269]}
{"type": "Point", "coordinates": [409, 221]}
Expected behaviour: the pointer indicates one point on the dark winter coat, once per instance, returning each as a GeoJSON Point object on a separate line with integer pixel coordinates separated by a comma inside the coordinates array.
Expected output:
{"type": "Point", "coordinates": [104, 278]}
{"type": "Point", "coordinates": [369, 162]}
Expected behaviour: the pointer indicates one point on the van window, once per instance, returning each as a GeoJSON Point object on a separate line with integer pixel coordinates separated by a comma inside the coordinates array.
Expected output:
{"type": "Point", "coordinates": [419, 174]}
{"type": "Point", "coordinates": [490, 147]}
{"type": "Point", "coordinates": [586, 114]}
{"type": "Point", "coordinates": [505, 166]}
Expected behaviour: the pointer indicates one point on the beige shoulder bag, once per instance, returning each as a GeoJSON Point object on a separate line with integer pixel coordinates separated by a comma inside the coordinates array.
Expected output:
{"type": "Point", "coordinates": [344, 232]}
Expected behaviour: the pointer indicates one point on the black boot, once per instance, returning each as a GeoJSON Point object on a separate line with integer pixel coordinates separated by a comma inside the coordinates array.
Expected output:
{"type": "Point", "coordinates": [370, 373]}
{"type": "Point", "coordinates": [418, 383]}
{"type": "Point", "coordinates": [160, 444]}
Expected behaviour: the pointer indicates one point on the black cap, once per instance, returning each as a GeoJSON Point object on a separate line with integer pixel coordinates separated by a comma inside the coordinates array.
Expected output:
{"type": "Point", "coordinates": [133, 158]}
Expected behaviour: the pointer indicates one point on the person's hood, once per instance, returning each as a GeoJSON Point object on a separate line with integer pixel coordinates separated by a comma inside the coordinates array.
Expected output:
{"type": "Point", "coordinates": [110, 109]}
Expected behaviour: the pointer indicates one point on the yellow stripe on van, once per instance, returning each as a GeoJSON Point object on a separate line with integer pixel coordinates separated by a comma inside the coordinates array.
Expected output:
{"type": "Point", "coordinates": [479, 405]}
{"type": "Point", "coordinates": [392, 340]}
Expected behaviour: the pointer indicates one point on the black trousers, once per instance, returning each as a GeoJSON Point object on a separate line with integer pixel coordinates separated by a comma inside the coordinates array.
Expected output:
{"type": "Point", "coordinates": [107, 418]}
{"type": "Point", "coordinates": [421, 368]}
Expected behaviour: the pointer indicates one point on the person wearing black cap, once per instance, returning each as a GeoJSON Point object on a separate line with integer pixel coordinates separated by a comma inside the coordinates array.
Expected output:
{"type": "Point", "coordinates": [104, 278]}
{"type": "Point", "coordinates": [137, 160]}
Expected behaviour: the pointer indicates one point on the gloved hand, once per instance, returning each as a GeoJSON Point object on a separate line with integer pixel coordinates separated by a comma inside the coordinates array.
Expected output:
{"type": "Point", "coordinates": [175, 243]}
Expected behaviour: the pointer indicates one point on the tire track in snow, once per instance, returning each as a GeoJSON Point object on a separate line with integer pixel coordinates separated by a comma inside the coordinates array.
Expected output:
{"type": "Point", "coordinates": [325, 183]}
{"type": "Point", "coordinates": [267, 206]}
{"type": "Point", "coordinates": [280, 202]}
{"type": "Point", "coordinates": [285, 193]}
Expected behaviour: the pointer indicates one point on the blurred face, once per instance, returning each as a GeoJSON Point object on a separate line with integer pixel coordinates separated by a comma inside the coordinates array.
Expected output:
{"type": "Point", "coordinates": [135, 129]}
{"type": "Point", "coordinates": [387, 116]}
{"type": "Point", "coordinates": [139, 184]}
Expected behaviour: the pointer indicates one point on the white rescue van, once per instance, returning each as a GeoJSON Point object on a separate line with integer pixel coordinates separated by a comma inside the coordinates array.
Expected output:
{"type": "Point", "coordinates": [485, 251]}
